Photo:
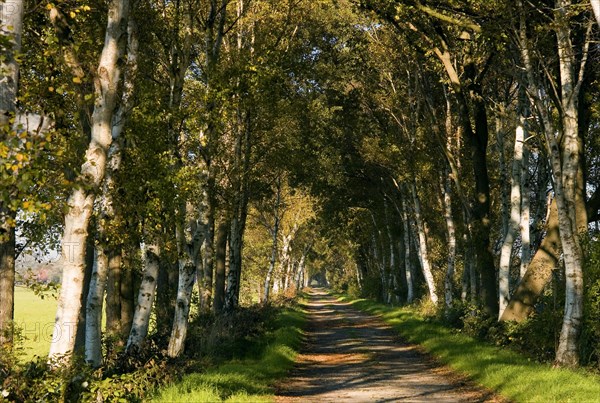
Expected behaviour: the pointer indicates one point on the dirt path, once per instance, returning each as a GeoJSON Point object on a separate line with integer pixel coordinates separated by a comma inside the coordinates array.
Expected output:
{"type": "Point", "coordinates": [351, 356]}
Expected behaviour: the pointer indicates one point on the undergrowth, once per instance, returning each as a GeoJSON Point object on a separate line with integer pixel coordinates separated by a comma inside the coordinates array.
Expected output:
{"type": "Point", "coordinates": [247, 377]}
{"type": "Point", "coordinates": [230, 355]}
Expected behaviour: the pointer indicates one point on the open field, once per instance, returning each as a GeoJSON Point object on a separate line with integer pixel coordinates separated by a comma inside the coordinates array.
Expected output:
{"type": "Point", "coordinates": [34, 317]}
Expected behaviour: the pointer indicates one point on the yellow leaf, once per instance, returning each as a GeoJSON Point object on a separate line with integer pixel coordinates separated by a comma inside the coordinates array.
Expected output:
{"type": "Point", "coordinates": [77, 80]}
{"type": "Point", "coordinates": [20, 157]}
{"type": "Point", "coordinates": [72, 14]}
{"type": "Point", "coordinates": [26, 204]}
{"type": "Point", "coordinates": [51, 89]}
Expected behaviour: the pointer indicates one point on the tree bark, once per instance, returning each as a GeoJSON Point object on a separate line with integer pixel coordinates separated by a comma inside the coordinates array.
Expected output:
{"type": "Point", "coordinates": [82, 199]}
{"type": "Point", "coordinates": [513, 222]}
{"type": "Point", "coordinates": [93, 317]}
{"type": "Point", "coordinates": [127, 294]}
{"type": "Point", "coordinates": [166, 298]}
{"type": "Point", "coordinates": [410, 293]}
{"type": "Point", "coordinates": [220, 257]}
{"type": "Point", "coordinates": [451, 234]}
{"type": "Point", "coordinates": [113, 296]}
{"type": "Point", "coordinates": [146, 294]}
{"type": "Point", "coordinates": [11, 26]}
{"type": "Point", "coordinates": [190, 237]}
{"type": "Point", "coordinates": [423, 249]}
{"type": "Point", "coordinates": [275, 237]}
{"type": "Point", "coordinates": [596, 8]}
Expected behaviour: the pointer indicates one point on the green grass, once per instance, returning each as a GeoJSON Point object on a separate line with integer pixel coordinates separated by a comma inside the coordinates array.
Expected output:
{"type": "Point", "coordinates": [245, 380]}
{"type": "Point", "coordinates": [34, 317]}
{"type": "Point", "coordinates": [501, 370]}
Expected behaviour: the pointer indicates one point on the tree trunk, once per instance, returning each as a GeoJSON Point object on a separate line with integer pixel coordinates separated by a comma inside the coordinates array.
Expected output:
{"type": "Point", "coordinates": [569, 187]}
{"type": "Point", "coordinates": [90, 261]}
{"type": "Point", "coordinates": [480, 220]}
{"type": "Point", "coordinates": [141, 318]}
{"type": "Point", "coordinates": [127, 294]}
{"type": "Point", "coordinates": [275, 237]}
{"type": "Point", "coordinates": [113, 296]}
{"type": "Point", "coordinates": [513, 222]}
{"type": "Point", "coordinates": [220, 257]}
{"type": "Point", "coordinates": [81, 201]}
{"type": "Point", "coordinates": [596, 8]}
{"type": "Point", "coordinates": [391, 283]}
{"type": "Point", "coordinates": [235, 263]}
{"type": "Point", "coordinates": [525, 208]}
{"type": "Point", "coordinates": [538, 273]}
{"type": "Point", "coordinates": [525, 216]}
{"type": "Point", "coordinates": [93, 317]}
{"type": "Point", "coordinates": [423, 249]}
{"type": "Point", "coordinates": [190, 237]}
{"type": "Point", "coordinates": [238, 222]}
{"type": "Point", "coordinates": [11, 26]}
{"type": "Point", "coordinates": [7, 284]}
{"type": "Point", "coordinates": [166, 298]}
{"type": "Point", "coordinates": [187, 272]}
{"type": "Point", "coordinates": [451, 234]}
{"type": "Point", "coordinates": [410, 293]}
{"type": "Point", "coordinates": [208, 263]}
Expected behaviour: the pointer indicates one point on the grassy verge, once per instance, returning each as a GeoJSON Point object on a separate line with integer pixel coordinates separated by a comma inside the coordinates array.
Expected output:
{"type": "Point", "coordinates": [501, 370]}
{"type": "Point", "coordinates": [245, 380]}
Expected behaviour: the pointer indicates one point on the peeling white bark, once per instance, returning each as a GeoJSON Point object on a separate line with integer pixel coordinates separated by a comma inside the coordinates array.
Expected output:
{"type": "Point", "coordinates": [513, 222]}
{"type": "Point", "coordinates": [81, 200]}
{"type": "Point", "coordinates": [146, 295]}
{"type": "Point", "coordinates": [423, 249]}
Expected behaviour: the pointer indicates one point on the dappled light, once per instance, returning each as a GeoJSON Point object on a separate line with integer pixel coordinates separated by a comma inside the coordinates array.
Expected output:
{"type": "Point", "coordinates": [189, 188]}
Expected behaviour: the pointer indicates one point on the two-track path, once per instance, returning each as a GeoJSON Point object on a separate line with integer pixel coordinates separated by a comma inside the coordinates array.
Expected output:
{"type": "Point", "coordinates": [351, 356]}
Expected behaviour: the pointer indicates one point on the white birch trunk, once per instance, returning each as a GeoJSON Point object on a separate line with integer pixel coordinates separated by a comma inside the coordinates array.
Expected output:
{"type": "Point", "coordinates": [423, 249]}
{"type": "Point", "coordinates": [596, 8]}
{"type": "Point", "coordinates": [525, 211]}
{"type": "Point", "coordinates": [284, 264]}
{"type": "Point", "coordinates": [93, 312]}
{"type": "Point", "coordinates": [410, 293]}
{"type": "Point", "coordinates": [81, 200]}
{"type": "Point", "coordinates": [513, 222]}
{"type": "Point", "coordinates": [95, 299]}
{"type": "Point", "coordinates": [146, 295]}
{"type": "Point", "coordinates": [187, 273]}
{"type": "Point", "coordinates": [275, 236]}
{"type": "Point", "coordinates": [566, 166]}
{"type": "Point", "coordinates": [189, 241]}
{"type": "Point", "coordinates": [446, 188]}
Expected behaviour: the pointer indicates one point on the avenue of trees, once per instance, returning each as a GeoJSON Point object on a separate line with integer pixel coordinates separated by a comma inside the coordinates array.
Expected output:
{"type": "Point", "coordinates": [194, 156]}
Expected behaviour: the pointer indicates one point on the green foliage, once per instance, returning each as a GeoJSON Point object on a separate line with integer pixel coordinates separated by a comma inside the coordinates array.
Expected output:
{"type": "Point", "coordinates": [245, 378]}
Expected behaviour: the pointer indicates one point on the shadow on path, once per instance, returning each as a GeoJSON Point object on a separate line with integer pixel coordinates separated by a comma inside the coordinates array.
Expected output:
{"type": "Point", "coordinates": [351, 356]}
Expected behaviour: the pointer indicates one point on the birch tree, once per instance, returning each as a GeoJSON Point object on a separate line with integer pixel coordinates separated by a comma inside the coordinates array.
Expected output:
{"type": "Point", "coordinates": [82, 199]}
{"type": "Point", "coordinates": [564, 158]}
{"type": "Point", "coordinates": [514, 220]}
{"type": "Point", "coordinates": [93, 333]}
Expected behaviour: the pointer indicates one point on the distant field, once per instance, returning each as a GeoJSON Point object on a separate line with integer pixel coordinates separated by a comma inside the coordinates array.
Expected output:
{"type": "Point", "coordinates": [35, 317]}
